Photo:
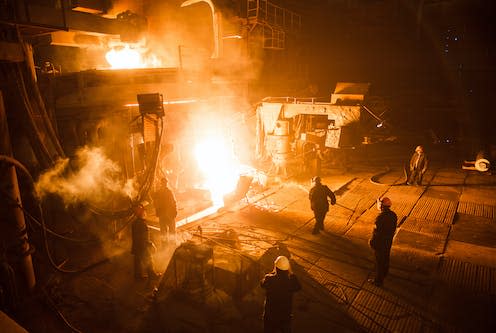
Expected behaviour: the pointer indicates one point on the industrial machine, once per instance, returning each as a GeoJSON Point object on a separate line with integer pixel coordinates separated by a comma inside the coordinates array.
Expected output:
{"type": "Point", "coordinates": [127, 122]}
{"type": "Point", "coordinates": [297, 131]}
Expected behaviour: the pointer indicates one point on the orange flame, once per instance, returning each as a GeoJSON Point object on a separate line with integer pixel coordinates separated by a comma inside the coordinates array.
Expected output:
{"type": "Point", "coordinates": [131, 56]}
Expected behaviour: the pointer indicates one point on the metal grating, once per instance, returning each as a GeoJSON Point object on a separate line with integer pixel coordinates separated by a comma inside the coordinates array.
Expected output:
{"type": "Point", "coordinates": [341, 292]}
{"type": "Point", "coordinates": [438, 210]}
{"type": "Point", "coordinates": [435, 229]}
{"type": "Point", "coordinates": [477, 209]}
{"type": "Point", "coordinates": [476, 278]}
{"type": "Point", "coordinates": [377, 312]}
{"type": "Point", "coordinates": [368, 215]}
{"type": "Point", "coordinates": [358, 201]}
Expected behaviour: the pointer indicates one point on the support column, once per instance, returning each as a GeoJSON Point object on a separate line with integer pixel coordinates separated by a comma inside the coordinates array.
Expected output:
{"type": "Point", "coordinates": [12, 224]}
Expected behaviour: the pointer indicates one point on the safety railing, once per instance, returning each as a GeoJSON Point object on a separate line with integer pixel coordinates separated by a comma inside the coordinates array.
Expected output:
{"type": "Point", "coordinates": [265, 12]}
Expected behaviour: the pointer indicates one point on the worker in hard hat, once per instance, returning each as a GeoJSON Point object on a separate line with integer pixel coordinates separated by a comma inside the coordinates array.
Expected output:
{"type": "Point", "coordinates": [417, 167]}
{"type": "Point", "coordinates": [382, 239]}
{"type": "Point", "coordinates": [279, 287]}
{"type": "Point", "coordinates": [142, 246]}
{"type": "Point", "coordinates": [319, 203]}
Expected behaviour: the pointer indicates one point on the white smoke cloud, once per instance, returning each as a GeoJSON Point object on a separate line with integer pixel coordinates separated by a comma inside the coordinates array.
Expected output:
{"type": "Point", "coordinates": [93, 178]}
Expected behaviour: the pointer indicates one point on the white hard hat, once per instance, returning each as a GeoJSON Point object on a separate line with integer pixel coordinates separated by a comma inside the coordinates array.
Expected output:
{"type": "Point", "coordinates": [282, 263]}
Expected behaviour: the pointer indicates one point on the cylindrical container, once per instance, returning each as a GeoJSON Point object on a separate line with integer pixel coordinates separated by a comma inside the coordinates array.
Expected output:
{"type": "Point", "coordinates": [282, 144]}
{"type": "Point", "coordinates": [280, 160]}
{"type": "Point", "coordinates": [282, 127]}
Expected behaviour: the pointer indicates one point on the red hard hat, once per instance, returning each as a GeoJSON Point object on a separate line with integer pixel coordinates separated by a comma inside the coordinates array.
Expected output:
{"type": "Point", "coordinates": [139, 210]}
{"type": "Point", "coordinates": [386, 202]}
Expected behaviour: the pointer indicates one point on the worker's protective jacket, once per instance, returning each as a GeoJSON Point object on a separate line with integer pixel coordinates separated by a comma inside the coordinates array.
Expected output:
{"type": "Point", "coordinates": [140, 237]}
{"type": "Point", "coordinates": [279, 288]}
{"type": "Point", "coordinates": [385, 227]}
{"type": "Point", "coordinates": [165, 203]}
{"type": "Point", "coordinates": [318, 197]}
{"type": "Point", "coordinates": [419, 162]}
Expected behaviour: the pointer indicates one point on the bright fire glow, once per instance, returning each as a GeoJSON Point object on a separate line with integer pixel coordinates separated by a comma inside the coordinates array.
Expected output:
{"type": "Point", "coordinates": [124, 58]}
{"type": "Point", "coordinates": [131, 56]}
{"type": "Point", "coordinates": [220, 168]}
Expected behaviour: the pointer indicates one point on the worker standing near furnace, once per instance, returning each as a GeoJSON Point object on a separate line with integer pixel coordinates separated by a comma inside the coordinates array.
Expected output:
{"type": "Point", "coordinates": [319, 195]}
{"type": "Point", "coordinates": [382, 239]}
{"type": "Point", "coordinates": [279, 285]}
{"type": "Point", "coordinates": [166, 211]}
{"type": "Point", "coordinates": [417, 166]}
{"type": "Point", "coordinates": [142, 246]}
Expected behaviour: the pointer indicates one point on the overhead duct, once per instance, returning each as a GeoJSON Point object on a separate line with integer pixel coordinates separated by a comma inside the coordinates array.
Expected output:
{"type": "Point", "coordinates": [90, 6]}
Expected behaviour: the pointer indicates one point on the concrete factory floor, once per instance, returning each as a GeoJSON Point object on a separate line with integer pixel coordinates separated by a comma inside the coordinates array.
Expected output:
{"type": "Point", "coordinates": [443, 261]}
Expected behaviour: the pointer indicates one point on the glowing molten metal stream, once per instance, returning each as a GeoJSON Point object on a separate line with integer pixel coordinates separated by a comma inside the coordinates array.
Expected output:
{"type": "Point", "coordinates": [219, 167]}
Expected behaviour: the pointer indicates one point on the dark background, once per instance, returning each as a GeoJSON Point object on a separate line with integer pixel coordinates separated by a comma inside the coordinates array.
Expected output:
{"type": "Point", "coordinates": [432, 60]}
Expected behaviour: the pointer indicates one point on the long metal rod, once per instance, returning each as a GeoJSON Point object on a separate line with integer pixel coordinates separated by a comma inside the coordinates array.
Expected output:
{"type": "Point", "coordinates": [371, 113]}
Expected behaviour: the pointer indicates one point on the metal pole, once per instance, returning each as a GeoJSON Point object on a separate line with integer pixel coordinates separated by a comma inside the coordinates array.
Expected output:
{"type": "Point", "coordinates": [344, 207]}
{"type": "Point", "coordinates": [180, 57]}
{"type": "Point", "coordinates": [14, 234]}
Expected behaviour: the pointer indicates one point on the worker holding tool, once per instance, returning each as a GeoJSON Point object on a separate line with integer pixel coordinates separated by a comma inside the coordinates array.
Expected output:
{"type": "Point", "coordinates": [319, 203]}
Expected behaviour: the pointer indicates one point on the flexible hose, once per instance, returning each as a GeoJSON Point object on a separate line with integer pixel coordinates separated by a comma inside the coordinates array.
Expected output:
{"type": "Point", "coordinates": [44, 228]}
{"type": "Point", "coordinates": [42, 110]}
{"type": "Point", "coordinates": [18, 165]}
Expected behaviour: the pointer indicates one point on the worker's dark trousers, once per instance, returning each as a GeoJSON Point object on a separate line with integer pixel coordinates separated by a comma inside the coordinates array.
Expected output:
{"type": "Point", "coordinates": [319, 220]}
{"type": "Point", "coordinates": [381, 264]}
{"type": "Point", "coordinates": [277, 326]}
{"type": "Point", "coordinates": [415, 177]}
{"type": "Point", "coordinates": [143, 262]}
{"type": "Point", "coordinates": [167, 229]}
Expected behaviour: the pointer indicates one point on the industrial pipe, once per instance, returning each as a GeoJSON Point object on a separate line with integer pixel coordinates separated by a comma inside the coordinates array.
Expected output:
{"type": "Point", "coordinates": [14, 233]}
{"type": "Point", "coordinates": [481, 163]}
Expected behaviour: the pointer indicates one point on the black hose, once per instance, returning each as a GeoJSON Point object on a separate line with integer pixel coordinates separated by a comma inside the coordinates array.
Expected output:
{"type": "Point", "coordinates": [42, 111]}
{"type": "Point", "coordinates": [18, 165]}
{"type": "Point", "coordinates": [44, 228]}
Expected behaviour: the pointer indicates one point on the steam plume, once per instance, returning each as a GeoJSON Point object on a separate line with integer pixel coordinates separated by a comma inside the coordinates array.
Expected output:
{"type": "Point", "coordinates": [94, 178]}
